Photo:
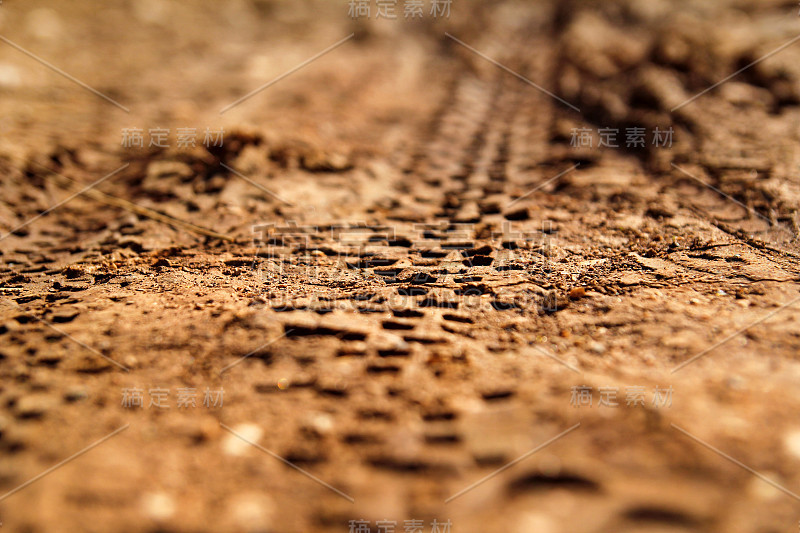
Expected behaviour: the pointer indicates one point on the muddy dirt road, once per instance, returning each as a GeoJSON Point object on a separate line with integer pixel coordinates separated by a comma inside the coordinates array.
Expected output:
{"type": "Point", "coordinates": [509, 267]}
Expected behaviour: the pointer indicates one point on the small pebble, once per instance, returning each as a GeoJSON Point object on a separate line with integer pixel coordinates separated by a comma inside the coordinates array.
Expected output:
{"type": "Point", "coordinates": [597, 347]}
{"type": "Point", "coordinates": [577, 293]}
{"type": "Point", "coordinates": [64, 316]}
{"type": "Point", "coordinates": [321, 161]}
{"type": "Point", "coordinates": [238, 446]}
{"type": "Point", "coordinates": [75, 394]}
{"type": "Point", "coordinates": [10, 77]}
{"type": "Point", "coordinates": [792, 442]}
{"type": "Point", "coordinates": [33, 406]}
{"type": "Point", "coordinates": [158, 506]}
{"type": "Point", "coordinates": [539, 522]}
{"type": "Point", "coordinates": [252, 511]}
{"type": "Point", "coordinates": [763, 490]}
{"type": "Point", "coordinates": [518, 214]}
{"type": "Point", "coordinates": [319, 423]}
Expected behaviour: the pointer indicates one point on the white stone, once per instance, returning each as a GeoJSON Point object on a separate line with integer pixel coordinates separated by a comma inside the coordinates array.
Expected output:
{"type": "Point", "coordinates": [321, 423]}
{"type": "Point", "coordinates": [158, 506]}
{"type": "Point", "coordinates": [792, 442]}
{"type": "Point", "coordinates": [764, 491]}
{"type": "Point", "coordinates": [253, 511]}
{"type": "Point", "coordinates": [10, 77]}
{"type": "Point", "coordinates": [237, 446]}
{"type": "Point", "coordinates": [538, 522]}
{"type": "Point", "coordinates": [597, 347]}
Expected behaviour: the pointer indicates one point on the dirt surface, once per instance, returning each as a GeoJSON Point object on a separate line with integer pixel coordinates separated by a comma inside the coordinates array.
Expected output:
{"type": "Point", "coordinates": [394, 289]}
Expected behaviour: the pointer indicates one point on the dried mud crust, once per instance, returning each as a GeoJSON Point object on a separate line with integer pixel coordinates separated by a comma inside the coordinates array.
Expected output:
{"type": "Point", "coordinates": [416, 296]}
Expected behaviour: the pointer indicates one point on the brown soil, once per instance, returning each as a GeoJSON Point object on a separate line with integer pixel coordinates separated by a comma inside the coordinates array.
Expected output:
{"type": "Point", "coordinates": [383, 273]}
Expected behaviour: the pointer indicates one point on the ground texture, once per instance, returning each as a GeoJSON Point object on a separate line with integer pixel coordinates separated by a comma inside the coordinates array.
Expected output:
{"type": "Point", "coordinates": [405, 273]}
